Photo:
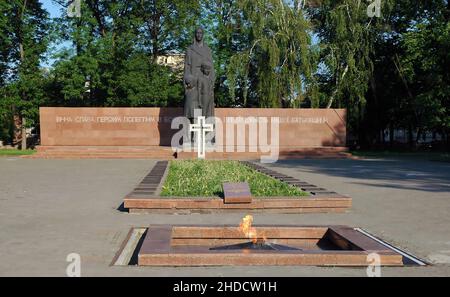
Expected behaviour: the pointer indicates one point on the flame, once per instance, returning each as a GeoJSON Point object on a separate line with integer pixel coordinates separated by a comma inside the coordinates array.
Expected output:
{"type": "Point", "coordinates": [246, 227]}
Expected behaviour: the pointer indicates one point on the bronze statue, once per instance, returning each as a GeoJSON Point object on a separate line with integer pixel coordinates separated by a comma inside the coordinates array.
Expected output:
{"type": "Point", "coordinates": [199, 78]}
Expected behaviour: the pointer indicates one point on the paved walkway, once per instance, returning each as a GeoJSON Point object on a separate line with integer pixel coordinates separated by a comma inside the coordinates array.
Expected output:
{"type": "Point", "coordinates": [50, 208]}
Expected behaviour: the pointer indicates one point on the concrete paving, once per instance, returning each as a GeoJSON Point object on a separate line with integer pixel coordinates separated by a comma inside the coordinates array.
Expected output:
{"type": "Point", "coordinates": [51, 208]}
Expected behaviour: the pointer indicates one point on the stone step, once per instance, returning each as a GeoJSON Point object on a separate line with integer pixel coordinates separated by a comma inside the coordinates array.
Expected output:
{"type": "Point", "coordinates": [168, 148]}
{"type": "Point", "coordinates": [153, 152]}
{"type": "Point", "coordinates": [103, 148]}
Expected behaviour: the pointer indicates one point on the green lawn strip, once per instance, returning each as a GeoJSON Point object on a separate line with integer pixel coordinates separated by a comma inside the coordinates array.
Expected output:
{"type": "Point", "coordinates": [12, 152]}
{"type": "Point", "coordinates": [203, 178]}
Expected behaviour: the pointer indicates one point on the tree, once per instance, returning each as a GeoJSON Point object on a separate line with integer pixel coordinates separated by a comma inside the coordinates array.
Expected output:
{"type": "Point", "coordinates": [411, 80]}
{"type": "Point", "coordinates": [117, 44]}
{"type": "Point", "coordinates": [5, 49]}
{"type": "Point", "coordinates": [390, 72]}
{"type": "Point", "coordinates": [24, 25]}
{"type": "Point", "coordinates": [222, 22]}
{"type": "Point", "coordinates": [5, 41]}
{"type": "Point", "coordinates": [274, 61]}
{"type": "Point", "coordinates": [167, 26]}
{"type": "Point", "coordinates": [424, 67]}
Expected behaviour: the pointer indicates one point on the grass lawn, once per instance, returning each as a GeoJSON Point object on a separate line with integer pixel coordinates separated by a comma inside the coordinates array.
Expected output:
{"type": "Point", "coordinates": [204, 178]}
{"type": "Point", "coordinates": [13, 152]}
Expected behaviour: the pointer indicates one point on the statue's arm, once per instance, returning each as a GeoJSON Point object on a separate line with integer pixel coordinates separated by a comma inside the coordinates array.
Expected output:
{"type": "Point", "coordinates": [187, 70]}
{"type": "Point", "coordinates": [213, 71]}
{"type": "Point", "coordinates": [213, 74]}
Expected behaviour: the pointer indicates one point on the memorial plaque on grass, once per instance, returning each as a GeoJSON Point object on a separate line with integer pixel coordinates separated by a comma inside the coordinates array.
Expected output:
{"type": "Point", "coordinates": [236, 193]}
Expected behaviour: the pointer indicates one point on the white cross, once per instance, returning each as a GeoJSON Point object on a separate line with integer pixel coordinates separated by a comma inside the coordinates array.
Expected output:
{"type": "Point", "coordinates": [200, 129]}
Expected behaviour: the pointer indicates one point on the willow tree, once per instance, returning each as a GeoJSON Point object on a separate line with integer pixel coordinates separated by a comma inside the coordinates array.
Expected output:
{"type": "Point", "coordinates": [347, 36]}
{"type": "Point", "coordinates": [274, 61]}
{"type": "Point", "coordinates": [347, 33]}
{"type": "Point", "coordinates": [222, 22]}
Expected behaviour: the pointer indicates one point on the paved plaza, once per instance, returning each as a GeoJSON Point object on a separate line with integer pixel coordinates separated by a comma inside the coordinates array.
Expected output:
{"type": "Point", "coordinates": [51, 208]}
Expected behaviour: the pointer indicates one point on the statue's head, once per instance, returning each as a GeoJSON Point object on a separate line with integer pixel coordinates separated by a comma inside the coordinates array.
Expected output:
{"type": "Point", "coordinates": [206, 69]}
{"type": "Point", "coordinates": [199, 34]}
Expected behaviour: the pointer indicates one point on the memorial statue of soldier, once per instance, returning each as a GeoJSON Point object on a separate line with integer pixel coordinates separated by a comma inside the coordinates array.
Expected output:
{"type": "Point", "coordinates": [199, 78]}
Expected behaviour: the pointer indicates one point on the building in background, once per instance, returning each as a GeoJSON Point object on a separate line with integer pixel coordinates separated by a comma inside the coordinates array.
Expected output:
{"type": "Point", "coordinates": [174, 61]}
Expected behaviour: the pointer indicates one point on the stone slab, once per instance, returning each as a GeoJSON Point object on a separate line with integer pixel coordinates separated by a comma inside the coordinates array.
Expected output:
{"type": "Point", "coordinates": [237, 193]}
{"type": "Point", "coordinates": [351, 247]}
{"type": "Point", "coordinates": [167, 153]}
{"type": "Point", "coordinates": [291, 205]}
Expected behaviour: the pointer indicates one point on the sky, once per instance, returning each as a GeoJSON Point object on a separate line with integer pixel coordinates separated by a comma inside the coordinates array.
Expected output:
{"type": "Point", "coordinates": [52, 8]}
{"type": "Point", "coordinates": [55, 11]}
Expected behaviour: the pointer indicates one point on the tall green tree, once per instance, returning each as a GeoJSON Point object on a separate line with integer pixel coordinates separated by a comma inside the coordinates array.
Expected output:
{"type": "Point", "coordinates": [24, 25]}
{"type": "Point", "coordinates": [117, 44]}
{"type": "Point", "coordinates": [410, 87]}
{"type": "Point", "coordinates": [5, 41]}
{"type": "Point", "coordinates": [274, 62]}
{"type": "Point", "coordinates": [167, 26]}
{"type": "Point", "coordinates": [226, 36]}
{"type": "Point", "coordinates": [5, 48]}
{"type": "Point", "coordinates": [347, 37]}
